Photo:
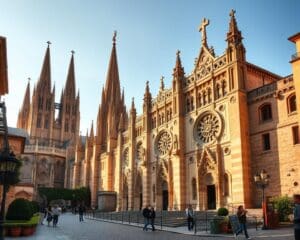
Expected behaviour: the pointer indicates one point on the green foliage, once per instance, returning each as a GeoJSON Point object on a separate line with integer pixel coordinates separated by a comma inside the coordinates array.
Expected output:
{"type": "Point", "coordinates": [35, 206]}
{"type": "Point", "coordinates": [34, 220]}
{"type": "Point", "coordinates": [283, 205]}
{"type": "Point", "coordinates": [82, 194]}
{"type": "Point", "coordinates": [19, 209]}
{"type": "Point", "coordinates": [222, 211]}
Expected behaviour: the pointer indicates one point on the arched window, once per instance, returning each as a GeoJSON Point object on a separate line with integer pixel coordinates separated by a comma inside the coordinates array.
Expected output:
{"type": "Point", "coordinates": [67, 125]}
{"type": "Point", "coordinates": [204, 97]}
{"type": "Point", "coordinates": [291, 102]}
{"type": "Point", "coordinates": [153, 193]}
{"type": "Point", "coordinates": [194, 189]}
{"type": "Point", "coordinates": [265, 112]}
{"type": "Point", "coordinates": [40, 103]}
{"type": "Point", "coordinates": [209, 95]}
{"type": "Point", "coordinates": [199, 98]}
{"type": "Point", "coordinates": [218, 92]}
{"type": "Point", "coordinates": [224, 92]}
{"type": "Point", "coordinates": [192, 103]}
{"type": "Point", "coordinates": [39, 121]}
{"type": "Point", "coordinates": [46, 123]}
{"type": "Point", "coordinates": [187, 104]}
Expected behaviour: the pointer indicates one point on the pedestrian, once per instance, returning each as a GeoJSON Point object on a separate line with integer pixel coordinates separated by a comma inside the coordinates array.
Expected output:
{"type": "Point", "coordinates": [146, 214]}
{"type": "Point", "coordinates": [81, 210]}
{"type": "Point", "coordinates": [297, 216]}
{"type": "Point", "coordinates": [152, 216]}
{"type": "Point", "coordinates": [43, 214]}
{"type": "Point", "coordinates": [49, 215]}
{"type": "Point", "coordinates": [55, 213]}
{"type": "Point", "coordinates": [242, 216]}
{"type": "Point", "coordinates": [189, 212]}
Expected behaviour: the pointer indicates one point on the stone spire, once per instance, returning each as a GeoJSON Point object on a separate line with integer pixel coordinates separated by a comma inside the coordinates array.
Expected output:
{"type": "Point", "coordinates": [70, 83]}
{"type": "Point", "coordinates": [178, 70]}
{"type": "Point", "coordinates": [234, 36]}
{"type": "Point", "coordinates": [112, 85]}
{"type": "Point", "coordinates": [24, 111]}
{"type": "Point", "coordinates": [92, 130]}
{"type": "Point", "coordinates": [44, 82]}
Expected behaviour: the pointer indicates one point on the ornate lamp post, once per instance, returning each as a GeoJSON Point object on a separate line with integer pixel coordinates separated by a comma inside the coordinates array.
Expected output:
{"type": "Point", "coordinates": [262, 181]}
{"type": "Point", "coordinates": [8, 165]}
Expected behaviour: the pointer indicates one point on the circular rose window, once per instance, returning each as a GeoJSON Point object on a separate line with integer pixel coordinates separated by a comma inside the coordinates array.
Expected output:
{"type": "Point", "coordinates": [164, 143]}
{"type": "Point", "coordinates": [207, 127]}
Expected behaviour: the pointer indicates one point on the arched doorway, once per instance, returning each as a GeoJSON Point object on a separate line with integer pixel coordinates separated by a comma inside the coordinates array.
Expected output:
{"type": "Point", "coordinates": [210, 191]}
{"type": "Point", "coordinates": [138, 196]}
{"type": "Point", "coordinates": [165, 195]}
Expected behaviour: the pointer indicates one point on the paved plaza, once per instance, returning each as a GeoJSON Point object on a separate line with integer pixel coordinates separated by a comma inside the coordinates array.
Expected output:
{"type": "Point", "coordinates": [69, 228]}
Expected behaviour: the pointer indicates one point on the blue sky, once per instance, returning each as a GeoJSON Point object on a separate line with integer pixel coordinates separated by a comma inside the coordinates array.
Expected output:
{"type": "Point", "coordinates": [149, 34]}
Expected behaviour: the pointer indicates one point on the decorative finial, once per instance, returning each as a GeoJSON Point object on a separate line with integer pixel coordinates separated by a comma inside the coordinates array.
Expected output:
{"type": "Point", "coordinates": [147, 83]}
{"type": "Point", "coordinates": [232, 12]}
{"type": "Point", "coordinates": [162, 85]}
{"type": "Point", "coordinates": [48, 42]}
{"type": "Point", "coordinates": [29, 79]}
{"type": "Point", "coordinates": [178, 53]}
{"type": "Point", "coordinates": [72, 51]}
{"type": "Point", "coordinates": [202, 29]}
{"type": "Point", "coordinates": [114, 37]}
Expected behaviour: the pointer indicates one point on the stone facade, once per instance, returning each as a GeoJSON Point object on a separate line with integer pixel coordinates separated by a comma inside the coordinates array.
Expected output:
{"type": "Point", "coordinates": [200, 141]}
{"type": "Point", "coordinates": [52, 127]}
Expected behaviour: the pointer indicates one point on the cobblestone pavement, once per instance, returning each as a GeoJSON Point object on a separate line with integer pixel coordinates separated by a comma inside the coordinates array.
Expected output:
{"type": "Point", "coordinates": [69, 228]}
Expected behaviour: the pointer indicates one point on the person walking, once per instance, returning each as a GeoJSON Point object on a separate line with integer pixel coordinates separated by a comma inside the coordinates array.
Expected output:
{"type": "Point", "coordinates": [242, 216]}
{"type": "Point", "coordinates": [146, 214]}
{"type": "Point", "coordinates": [152, 216]}
{"type": "Point", "coordinates": [81, 210]}
{"type": "Point", "coordinates": [297, 216]}
{"type": "Point", "coordinates": [49, 215]}
{"type": "Point", "coordinates": [189, 212]}
{"type": "Point", "coordinates": [56, 213]}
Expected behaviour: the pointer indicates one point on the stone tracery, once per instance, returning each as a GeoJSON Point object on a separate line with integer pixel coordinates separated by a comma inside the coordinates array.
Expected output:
{"type": "Point", "coordinates": [164, 143]}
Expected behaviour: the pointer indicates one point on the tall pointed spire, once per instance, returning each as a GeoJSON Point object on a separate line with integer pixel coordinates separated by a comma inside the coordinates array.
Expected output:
{"type": "Point", "coordinates": [112, 85]}
{"type": "Point", "coordinates": [234, 36]}
{"type": "Point", "coordinates": [162, 84]}
{"type": "Point", "coordinates": [45, 76]}
{"type": "Point", "coordinates": [178, 69]}
{"type": "Point", "coordinates": [70, 84]}
{"type": "Point", "coordinates": [24, 111]}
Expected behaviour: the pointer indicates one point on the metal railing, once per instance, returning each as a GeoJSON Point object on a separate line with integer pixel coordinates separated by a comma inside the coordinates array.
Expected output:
{"type": "Point", "coordinates": [167, 219]}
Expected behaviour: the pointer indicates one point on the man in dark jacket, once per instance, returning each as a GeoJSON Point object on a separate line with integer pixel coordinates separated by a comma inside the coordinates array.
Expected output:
{"type": "Point", "coordinates": [146, 214]}
{"type": "Point", "coordinates": [81, 210]}
{"type": "Point", "coordinates": [152, 216]}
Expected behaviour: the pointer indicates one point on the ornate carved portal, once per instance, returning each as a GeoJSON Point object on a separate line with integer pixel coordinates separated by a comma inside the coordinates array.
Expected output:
{"type": "Point", "coordinates": [164, 185]}
{"type": "Point", "coordinates": [208, 181]}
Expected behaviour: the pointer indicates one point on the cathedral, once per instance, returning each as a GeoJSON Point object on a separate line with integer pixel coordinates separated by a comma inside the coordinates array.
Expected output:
{"type": "Point", "coordinates": [52, 128]}
{"type": "Point", "coordinates": [199, 142]}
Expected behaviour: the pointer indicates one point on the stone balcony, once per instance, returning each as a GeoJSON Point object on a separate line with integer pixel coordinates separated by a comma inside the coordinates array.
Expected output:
{"type": "Point", "coordinates": [46, 150]}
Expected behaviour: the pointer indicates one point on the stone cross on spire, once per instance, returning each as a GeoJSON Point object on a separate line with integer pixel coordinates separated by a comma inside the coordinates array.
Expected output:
{"type": "Point", "coordinates": [28, 79]}
{"type": "Point", "coordinates": [72, 51]}
{"type": "Point", "coordinates": [232, 12]}
{"type": "Point", "coordinates": [202, 29]}
{"type": "Point", "coordinates": [48, 42]}
{"type": "Point", "coordinates": [178, 53]}
{"type": "Point", "coordinates": [114, 37]}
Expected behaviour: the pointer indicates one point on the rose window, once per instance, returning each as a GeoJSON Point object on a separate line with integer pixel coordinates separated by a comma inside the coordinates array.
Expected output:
{"type": "Point", "coordinates": [164, 143]}
{"type": "Point", "coordinates": [207, 127]}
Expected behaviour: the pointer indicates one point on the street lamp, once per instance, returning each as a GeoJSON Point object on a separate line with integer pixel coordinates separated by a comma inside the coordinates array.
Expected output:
{"type": "Point", "coordinates": [262, 181]}
{"type": "Point", "coordinates": [8, 165]}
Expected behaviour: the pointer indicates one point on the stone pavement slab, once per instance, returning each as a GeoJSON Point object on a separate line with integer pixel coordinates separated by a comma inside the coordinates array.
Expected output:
{"type": "Point", "coordinates": [69, 228]}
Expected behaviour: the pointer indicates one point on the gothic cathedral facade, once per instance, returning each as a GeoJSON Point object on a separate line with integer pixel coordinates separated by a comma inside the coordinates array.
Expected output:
{"type": "Point", "coordinates": [52, 127]}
